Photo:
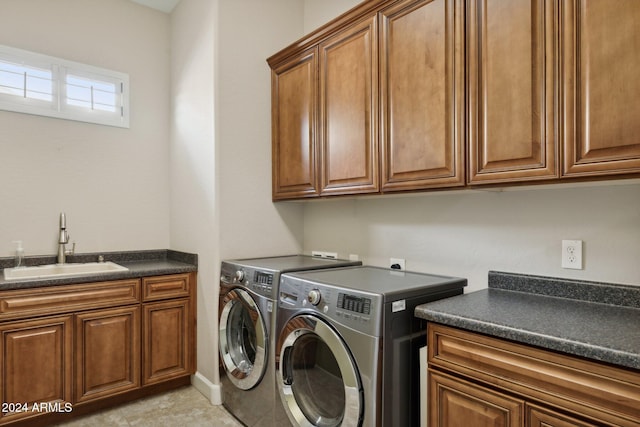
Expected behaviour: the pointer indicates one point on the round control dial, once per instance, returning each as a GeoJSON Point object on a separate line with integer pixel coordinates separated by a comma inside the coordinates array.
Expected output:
{"type": "Point", "coordinates": [314, 296]}
{"type": "Point", "coordinates": [239, 276]}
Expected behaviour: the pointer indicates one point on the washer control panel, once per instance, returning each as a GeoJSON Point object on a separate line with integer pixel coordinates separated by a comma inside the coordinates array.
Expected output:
{"type": "Point", "coordinates": [258, 281]}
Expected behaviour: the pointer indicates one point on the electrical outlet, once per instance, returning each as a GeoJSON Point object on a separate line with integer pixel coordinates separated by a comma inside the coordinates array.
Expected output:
{"type": "Point", "coordinates": [327, 255]}
{"type": "Point", "coordinates": [572, 254]}
{"type": "Point", "coordinates": [396, 262]}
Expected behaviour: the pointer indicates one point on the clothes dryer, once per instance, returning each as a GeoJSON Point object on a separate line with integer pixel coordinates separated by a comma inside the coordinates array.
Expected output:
{"type": "Point", "coordinates": [248, 290]}
{"type": "Point", "coordinates": [348, 345]}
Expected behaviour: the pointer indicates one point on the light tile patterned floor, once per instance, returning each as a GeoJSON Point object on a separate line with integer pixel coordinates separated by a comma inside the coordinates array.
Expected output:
{"type": "Point", "coordinates": [181, 407]}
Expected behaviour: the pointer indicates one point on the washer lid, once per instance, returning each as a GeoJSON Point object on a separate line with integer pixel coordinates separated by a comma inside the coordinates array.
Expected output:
{"type": "Point", "coordinates": [392, 284]}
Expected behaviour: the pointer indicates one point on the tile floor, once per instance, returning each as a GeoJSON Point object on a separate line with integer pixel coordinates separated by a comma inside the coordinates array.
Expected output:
{"type": "Point", "coordinates": [181, 407]}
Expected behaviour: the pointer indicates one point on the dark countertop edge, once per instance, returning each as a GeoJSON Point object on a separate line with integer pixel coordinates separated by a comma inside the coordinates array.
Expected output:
{"type": "Point", "coordinates": [581, 290]}
{"type": "Point", "coordinates": [140, 264]}
{"type": "Point", "coordinates": [117, 257]}
{"type": "Point", "coordinates": [546, 342]}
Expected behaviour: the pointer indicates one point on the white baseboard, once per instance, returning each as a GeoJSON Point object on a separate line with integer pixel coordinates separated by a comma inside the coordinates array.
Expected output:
{"type": "Point", "coordinates": [211, 391]}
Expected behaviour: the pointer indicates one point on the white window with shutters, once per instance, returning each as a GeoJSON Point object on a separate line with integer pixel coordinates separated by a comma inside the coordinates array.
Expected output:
{"type": "Point", "coordinates": [38, 84]}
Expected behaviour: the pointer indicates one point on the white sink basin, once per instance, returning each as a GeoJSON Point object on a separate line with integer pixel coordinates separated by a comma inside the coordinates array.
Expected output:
{"type": "Point", "coordinates": [61, 270]}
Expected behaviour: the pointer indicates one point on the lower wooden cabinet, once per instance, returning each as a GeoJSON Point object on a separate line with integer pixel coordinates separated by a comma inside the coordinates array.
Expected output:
{"type": "Point", "coordinates": [107, 358]}
{"type": "Point", "coordinates": [476, 380]}
{"type": "Point", "coordinates": [86, 354]}
{"type": "Point", "coordinates": [544, 417]}
{"type": "Point", "coordinates": [166, 337]}
{"type": "Point", "coordinates": [455, 400]}
{"type": "Point", "coordinates": [36, 366]}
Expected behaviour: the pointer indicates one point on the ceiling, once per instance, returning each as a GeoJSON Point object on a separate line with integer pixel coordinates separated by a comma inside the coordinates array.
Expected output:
{"type": "Point", "coordinates": [165, 6]}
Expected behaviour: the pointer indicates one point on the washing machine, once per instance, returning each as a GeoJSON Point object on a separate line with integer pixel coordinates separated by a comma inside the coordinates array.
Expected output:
{"type": "Point", "coordinates": [348, 345]}
{"type": "Point", "coordinates": [248, 290]}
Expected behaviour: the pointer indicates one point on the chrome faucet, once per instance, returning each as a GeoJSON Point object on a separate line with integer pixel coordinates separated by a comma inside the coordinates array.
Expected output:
{"type": "Point", "coordinates": [63, 239]}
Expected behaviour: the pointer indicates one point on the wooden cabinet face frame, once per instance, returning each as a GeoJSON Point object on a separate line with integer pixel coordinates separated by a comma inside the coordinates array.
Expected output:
{"type": "Point", "coordinates": [422, 94]}
{"type": "Point", "coordinates": [600, 121]}
{"type": "Point", "coordinates": [294, 99]}
{"type": "Point", "coordinates": [511, 90]}
{"type": "Point", "coordinates": [348, 131]}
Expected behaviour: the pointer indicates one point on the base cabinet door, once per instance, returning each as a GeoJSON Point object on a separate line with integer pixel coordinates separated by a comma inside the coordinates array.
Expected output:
{"type": "Point", "coordinates": [107, 359]}
{"type": "Point", "coordinates": [457, 403]}
{"type": "Point", "coordinates": [166, 340]}
{"type": "Point", "coordinates": [36, 367]}
{"type": "Point", "coordinates": [542, 417]}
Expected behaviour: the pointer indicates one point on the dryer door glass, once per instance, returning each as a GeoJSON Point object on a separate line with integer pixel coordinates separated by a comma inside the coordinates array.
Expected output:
{"type": "Point", "coordinates": [318, 380]}
{"type": "Point", "coordinates": [242, 339]}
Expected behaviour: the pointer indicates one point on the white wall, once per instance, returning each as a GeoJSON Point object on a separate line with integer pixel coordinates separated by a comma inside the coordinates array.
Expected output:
{"type": "Point", "coordinates": [469, 233]}
{"type": "Point", "coordinates": [111, 182]}
{"type": "Point", "coordinates": [221, 146]}
{"type": "Point", "coordinates": [194, 217]}
{"type": "Point", "coordinates": [250, 224]}
{"type": "Point", "coordinates": [319, 12]}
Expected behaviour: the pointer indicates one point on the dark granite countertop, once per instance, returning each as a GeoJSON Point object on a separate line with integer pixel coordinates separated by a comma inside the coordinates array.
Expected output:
{"type": "Point", "coordinates": [598, 321]}
{"type": "Point", "coordinates": [140, 264]}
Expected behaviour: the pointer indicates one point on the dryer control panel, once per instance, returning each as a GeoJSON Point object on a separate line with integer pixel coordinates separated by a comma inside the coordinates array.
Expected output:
{"type": "Point", "coordinates": [354, 303]}
{"type": "Point", "coordinates": [360, 311]}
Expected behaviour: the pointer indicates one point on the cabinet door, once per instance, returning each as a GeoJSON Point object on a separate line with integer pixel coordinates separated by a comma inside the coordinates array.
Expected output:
{"type": "Point", "coordinates": [511, 99]}
{"type": "Point", "coordinates": [348, 111]}
{"type": "Point", "coordinates": [294, 120]}
{"type": "Point", "coordinates": [422, 94]}
{"type": "Point", "coordinates": [107, 359]}
{"type": "Point", "coordinates": [601, 89]}
{"type": "Point", "coordinates": [167, 335]}
{"type": "Point", "coordinates": [36, 365]}
{"type": "Point", "coordinates": [543, 417]}
{"type": "Point", "coordinates": [454, 402]}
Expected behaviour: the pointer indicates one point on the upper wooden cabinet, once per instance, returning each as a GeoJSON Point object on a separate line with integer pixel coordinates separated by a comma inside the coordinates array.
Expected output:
{"type": "Point", "coordinates": [294, 121]}
{"type": "Point", "coordinates": [511, 90]}
{"type": "Point", "coordinates": [422, 94]}
{"type": "Point", "coordinates": [348, 111]}
{"type": "Point", "coordinates": [398, 95]}
{"type": "Point", "coordinates": [600, 86]}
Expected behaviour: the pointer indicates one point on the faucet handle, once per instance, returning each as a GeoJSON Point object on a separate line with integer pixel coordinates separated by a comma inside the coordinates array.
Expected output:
{"type": "Point", "coordinates": [72, 250]}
